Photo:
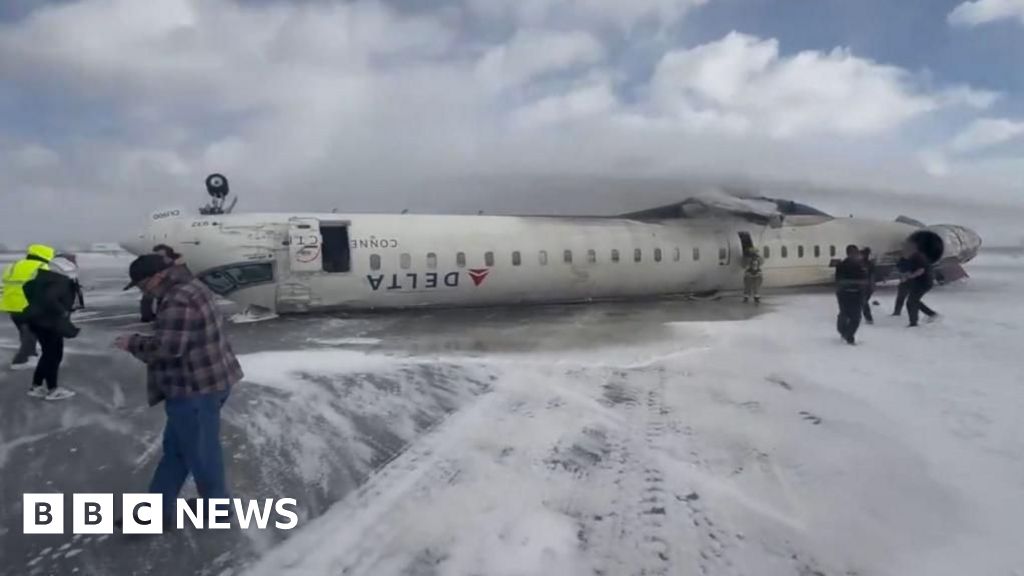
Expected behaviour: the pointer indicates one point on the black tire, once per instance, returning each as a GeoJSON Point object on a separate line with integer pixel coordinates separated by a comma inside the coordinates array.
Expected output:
{"type": "Point", "coordinates": [217, 185]}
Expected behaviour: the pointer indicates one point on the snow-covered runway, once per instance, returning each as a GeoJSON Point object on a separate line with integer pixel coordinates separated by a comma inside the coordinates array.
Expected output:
{"type": "Point", "coordinates": [759, 447]}
{"type": "Point", "coordinates": [648, 438]}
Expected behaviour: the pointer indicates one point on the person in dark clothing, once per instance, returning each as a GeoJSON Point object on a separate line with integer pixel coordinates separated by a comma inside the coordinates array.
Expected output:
{"type": "Point", "coordinates": [51, 296]}
{"type": "Point", "coordinates": [851, 283]}
{"type": "Point", "coordinates": [869, 267]}
{"type": "Point", "coordinates": [919, 281]}
{"type": "Point", "coordinates": [903, 267]}
{"type": "Point", "coordinates": [148, 304]}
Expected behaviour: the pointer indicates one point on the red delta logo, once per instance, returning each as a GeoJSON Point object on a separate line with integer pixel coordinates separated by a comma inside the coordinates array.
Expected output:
{"type": "Point", "coordinates": [478, 275]}
{"type": "Point", "coordinates": [425, 281]}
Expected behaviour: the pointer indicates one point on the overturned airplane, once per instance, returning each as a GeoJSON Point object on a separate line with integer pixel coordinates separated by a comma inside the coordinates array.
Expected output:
{"type": "Point", "coordinates": [294, 263]}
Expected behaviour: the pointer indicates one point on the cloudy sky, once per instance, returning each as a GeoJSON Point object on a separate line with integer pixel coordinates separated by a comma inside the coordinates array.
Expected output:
{"type": "Point", "coordinates": [110, 109]}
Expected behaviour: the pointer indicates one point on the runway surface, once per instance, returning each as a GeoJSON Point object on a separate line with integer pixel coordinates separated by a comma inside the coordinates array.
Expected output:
{"type": "Point", "coordinates": [665, 437]}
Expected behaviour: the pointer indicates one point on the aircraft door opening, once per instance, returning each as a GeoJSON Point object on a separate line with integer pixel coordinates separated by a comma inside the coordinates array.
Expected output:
{"type": "Point", "coordinates": [337, 252]}
{"type": "Point", "coordinates": [305, 245]}
{"type": "Point", "coordinates": [745, 242]}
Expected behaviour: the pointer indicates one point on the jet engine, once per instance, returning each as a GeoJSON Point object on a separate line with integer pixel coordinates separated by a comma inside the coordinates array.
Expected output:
{"type": "Point", "coordinates": [947, 247]}
{"type": "Point", "coordinates": [946, 241]}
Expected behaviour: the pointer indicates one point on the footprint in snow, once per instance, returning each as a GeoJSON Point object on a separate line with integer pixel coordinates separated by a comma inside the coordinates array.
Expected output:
{"type": "Point", "coordinates": [810, 417]}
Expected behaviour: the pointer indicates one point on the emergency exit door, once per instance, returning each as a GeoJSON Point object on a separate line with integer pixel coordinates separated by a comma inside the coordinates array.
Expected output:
{"type": "Point", "coordinates": [724, 249]}
{"type": "Point", "coordinates": [305, 245]}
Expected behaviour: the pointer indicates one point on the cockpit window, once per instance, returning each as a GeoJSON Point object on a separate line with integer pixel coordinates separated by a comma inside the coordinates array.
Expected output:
{"type": "Point", "coordinates": [227, 279]}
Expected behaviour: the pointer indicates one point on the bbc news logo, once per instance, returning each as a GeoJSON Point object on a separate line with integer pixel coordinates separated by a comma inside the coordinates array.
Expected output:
{"type": "Point", "coordinates": [143, 513]}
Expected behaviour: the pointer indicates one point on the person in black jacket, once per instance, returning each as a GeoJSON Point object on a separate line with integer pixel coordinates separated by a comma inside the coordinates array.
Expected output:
{"type": "Point", "coordinates": [869, 290]}
{"type": "Point", "coordinates": [919, 281]}
{"type": "Point", "coordinates": [51, 297]}
{"type": "Point", "coordinates": [903, 267]}
{"type": "Point", "coordinates": [851, 284]}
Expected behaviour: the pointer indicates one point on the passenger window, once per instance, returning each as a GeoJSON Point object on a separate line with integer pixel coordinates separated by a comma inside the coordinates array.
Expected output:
{"type": "Point", "coordinates": [405, 261]}
{"type": "Point", "coordinates": [723, 254]}
{"type": "Point", "coordinates": [817, 251]}
{"type": "Point", "coordinates": [767, 252]}
{"type": "Point", "coordinates": [696, 254]}
{"type": "Point", "coordinates": [543, 257]}
{"type": "Point", "coordinates": [488, 259]}
{"type": "Point", "coordinates": [675, 254]}
{"type": "Point", "coordinates": [567, 256]}
{"type": "Point", "coordinates": [219, 281]}
{"type": "Point", "coordinates": [800, 251]}
{"type": "Point", "coordinates": [832, 251]}
{"type": "Point", "coordinates": [785, 252]}
{"type": "Point", "coordinates": [516, 260]}
{"type": "Point", "coordinates": [657, 254]}
{"type": "Point", "coordinates": [638, 255]}
{"type": "Point", "coordinates": [374, 261]}
{"type": "Point", "coordinates": [228, 279]}
{"type": "Point", "coordinates": [591, 257]}
{"type": "Point", "coordinates": [460, 259]}
{"type": "Point", "coordinates": [615, 255]}
{"type": "Point", "coordinates": [431, 260]}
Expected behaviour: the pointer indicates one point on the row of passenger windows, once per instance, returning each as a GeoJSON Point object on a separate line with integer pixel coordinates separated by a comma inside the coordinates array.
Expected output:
{"type": "Point", "coordinates": [766, 252]}
{"type": "Point", "coordinates": [405, 259]}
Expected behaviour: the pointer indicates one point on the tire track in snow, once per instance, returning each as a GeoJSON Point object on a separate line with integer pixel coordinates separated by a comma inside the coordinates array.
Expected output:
{"type": "Point", "coordinates": [655, 527]}
{"type": "Point", "coordinates": [638, 539]}
{"type": "Point", "coordinates": [357, 530]}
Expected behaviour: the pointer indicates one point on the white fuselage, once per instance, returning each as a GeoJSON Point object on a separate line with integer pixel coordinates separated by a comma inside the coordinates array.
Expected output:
{"type": "Point", "coordinates": [303, 262]}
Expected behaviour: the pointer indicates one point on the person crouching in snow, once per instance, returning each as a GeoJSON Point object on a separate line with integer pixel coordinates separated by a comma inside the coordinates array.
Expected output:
{"type": "Point", "coordinates": [752, 277]}
{"type": "Point", "coordinates": [191, 368]}
{"type": "Point", "coordinates": [51, 298]}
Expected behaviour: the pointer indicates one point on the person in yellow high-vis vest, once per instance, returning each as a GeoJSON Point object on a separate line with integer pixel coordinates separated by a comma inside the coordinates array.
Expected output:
{"type": "Point", "coordinates": [14, 302]}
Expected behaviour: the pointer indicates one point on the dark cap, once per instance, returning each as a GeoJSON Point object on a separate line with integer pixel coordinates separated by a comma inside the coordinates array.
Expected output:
{"type": "Point", "coordinates": [144, 267]}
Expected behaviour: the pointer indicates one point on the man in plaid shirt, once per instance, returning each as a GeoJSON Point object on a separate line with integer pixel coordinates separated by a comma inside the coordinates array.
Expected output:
{"type": "Point", "coordinates": [191, 367]}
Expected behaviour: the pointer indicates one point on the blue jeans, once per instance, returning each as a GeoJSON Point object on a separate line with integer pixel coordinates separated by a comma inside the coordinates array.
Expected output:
{"type": "Point", "coordinates": [191, 445]}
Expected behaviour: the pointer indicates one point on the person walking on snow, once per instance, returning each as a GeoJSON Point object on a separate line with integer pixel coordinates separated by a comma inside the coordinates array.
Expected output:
{"type": "Point", "coordinates": [192, 369]}
{"type": "Point", "coordinates": [752, 277]}
{"type": "Point", "coordinates": [147, 305]}
{"type": "Point", "coordinates": [869, 290]}
{"type": "Point", "coordinates": [51, 297]}
{"type": "Point", "coordinates": [919, 281]}
{"type": "Point", "coordinates": [14, 302]}
{"type": "Point", "coordinates": [851, 283]}
{"type": "Point", "coordinates": [902, 267]}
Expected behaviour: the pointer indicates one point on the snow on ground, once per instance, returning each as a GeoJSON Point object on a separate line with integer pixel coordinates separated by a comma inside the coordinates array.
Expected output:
{"type": "Point", "coordinates": [761, 447]}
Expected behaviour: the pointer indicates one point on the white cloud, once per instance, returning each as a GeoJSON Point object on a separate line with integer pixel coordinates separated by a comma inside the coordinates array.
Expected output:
{"type": "Point", "coordinates": [969, 97]}
{"type": "Point", "coordinates": [961, 154]}
{"type": "Point", "coordinates": [977, 12]}
{"type": "Point", "coordinates": [531, 53]}
{"type": "Point", "coordinates": [935, 163]}
{"type": "Point", "coordinates": [742, 83]}
{"type": "Point", "coordinates": [35, 157]}
{"type": "Point", "coordinates": [359, 106]}
{"type": "Point", "coordinates": [985, 133]}
{"type": "Point", "coordinates": [590, 99]}
{"type": "Point", "coordinates": [618, 14]}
